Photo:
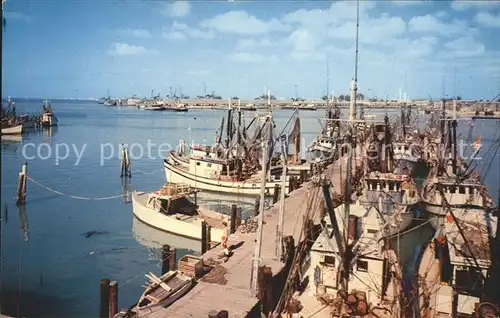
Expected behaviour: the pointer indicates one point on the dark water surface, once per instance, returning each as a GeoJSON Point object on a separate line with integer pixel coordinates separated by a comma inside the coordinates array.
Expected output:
{"type": "Point", "coordinates": [45, 253]}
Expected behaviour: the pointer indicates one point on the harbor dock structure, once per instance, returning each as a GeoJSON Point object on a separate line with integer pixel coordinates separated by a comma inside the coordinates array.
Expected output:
{"type": "Point", "coordinates": [233, 292]}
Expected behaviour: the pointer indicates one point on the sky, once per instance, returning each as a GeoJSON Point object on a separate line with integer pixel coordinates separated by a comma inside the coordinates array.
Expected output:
{"type": "Point", "coordinates": [82, 49]}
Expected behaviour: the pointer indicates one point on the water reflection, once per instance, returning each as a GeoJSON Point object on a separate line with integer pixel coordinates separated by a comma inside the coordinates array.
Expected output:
{"type": "Point", "coordinates": [154, 239]}
{"type": "Point", "coordinates": [126, 190]}
{"type": "Point", "coordinates": [49, 132]}
{"type": "Point", "coordinates": [23, 221]}
{"type": "Point", "coordinates": [11, 142]}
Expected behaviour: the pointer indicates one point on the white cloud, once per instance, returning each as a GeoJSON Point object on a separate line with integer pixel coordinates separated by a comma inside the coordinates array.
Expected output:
{"type": "Point", "coordinates": [197, 72]}
{"type": "Point", "coordinates": [138, 33]}
{"type": "Point", "coordinates": [245, 57]}
{"type": "Point", "coordinates": [181, 31]}
{"type": "Point", "coordinates": [487, 19]}
{"type": "Point", "coordinates": [122, 49]}
{"type": "Point", "coordinates": [464, 47]}
{"type": "Point", "coordinates": [430, 24]}
{"type": "Point", "coordinates": [178, 9]}
{"type": "Point", "coordinates": [408, 2]}
{"type": "Point", "coordinates": [240, 22]}
{"type": "Point", "coordinates": [244, 44]}
{"type": "Point", "coordinates": [462, 5]}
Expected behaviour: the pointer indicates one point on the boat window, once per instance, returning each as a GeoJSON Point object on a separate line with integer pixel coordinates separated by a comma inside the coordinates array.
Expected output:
{"type": "Point", "coordinates": [329, 260]}
{"type": "Point", "coordinates": [461, 189]}
{"type": "Point", "coordinates": [362, 266]}
{"type": "Point", "coordinates": [198, 163]}
{"type": "Point", "coordinates": [209, 165]}
{"type": "Point", "coordinates": [453, 189]}
{"type": "Point", "coordinates": [372, 231]}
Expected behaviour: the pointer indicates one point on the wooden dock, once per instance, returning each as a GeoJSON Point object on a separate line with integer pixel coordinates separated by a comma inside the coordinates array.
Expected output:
{"type": "Point", "coordinates": [235, 296]}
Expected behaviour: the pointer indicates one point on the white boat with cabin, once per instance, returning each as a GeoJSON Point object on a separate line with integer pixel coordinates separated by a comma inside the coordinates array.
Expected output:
{"type": "Point", "coordinates": [169, 210]}
{"type": "Point", "coordinates": [454, 267]}
{"type": "Point", "coordinates": [468, 196]}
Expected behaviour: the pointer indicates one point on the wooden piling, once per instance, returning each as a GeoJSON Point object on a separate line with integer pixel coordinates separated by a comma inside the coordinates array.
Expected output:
{"type": "Point", "coordinates": [104, 299]}
{"type": "Point", "coordinates": [238, 217]}
{"type": "Point", "coordinates": [172, 258]}
{"type": "Point", "coordinates": [203, 237]}
{"type": "Point", "coordinates": [291, 184]}
{"type": "Point", "coordinates": [303, 176]}
{"type": "Point", "coordinates": [21, 185]}
{"type": "Point", "coordinates": [276, 193]}
{"type": "Point", "coordinates": [266, 289]}
{"type": "Point", "coordinates": [165, 259]}
{"type": "Point", "coordinates": [234, 212]}
{"type": "Point", "coordinates": [195, 195]}
{"type": "Point", "coordinates": [209, 237]}
{"type": "Point", "coordinates": [257, 206]}
{"type": "Point", "coordinates": [113, 298]}
{"type": "Point", "coordinates": [125, 164]}
{"type": "Point", "coordinates": [223, 314]}
{"type": "Point", "coordinates": [213, 314]}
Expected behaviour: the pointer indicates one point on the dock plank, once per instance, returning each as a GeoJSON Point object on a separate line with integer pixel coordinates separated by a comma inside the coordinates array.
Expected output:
{"type": "Point", "coordinates": [235, 295]}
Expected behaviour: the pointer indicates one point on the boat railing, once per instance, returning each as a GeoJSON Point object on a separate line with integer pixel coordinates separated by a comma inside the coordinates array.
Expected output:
{"type": "Point", "coordinates": [177, 189]}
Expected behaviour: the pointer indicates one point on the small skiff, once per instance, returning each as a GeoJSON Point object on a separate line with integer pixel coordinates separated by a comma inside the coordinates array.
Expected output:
{"type": "Point", "coordinates": [162, 291]}
{"type": "Point", "coordinates": [15, 130]}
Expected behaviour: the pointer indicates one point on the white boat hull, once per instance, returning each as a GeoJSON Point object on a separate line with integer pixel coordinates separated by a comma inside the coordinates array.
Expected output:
{"type": "Point", "coordinates": [437, 213]}
{"type": "Point", "coordinates": [169, 223]}
{"type": "Point", "coordinates": [49, 120]}
{"type": "Point", "coordinates": [178, 175]}
{"type": "Point", "coordinates": [16, 130]}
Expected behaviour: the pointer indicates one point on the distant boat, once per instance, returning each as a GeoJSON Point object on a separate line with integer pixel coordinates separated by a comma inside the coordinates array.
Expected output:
{"type": "Point", "coordinates": [154, 107]}
{"type": "Point", "coordinates": [13, 130]}
{"type": "Point", "coordinates": [48, 118]}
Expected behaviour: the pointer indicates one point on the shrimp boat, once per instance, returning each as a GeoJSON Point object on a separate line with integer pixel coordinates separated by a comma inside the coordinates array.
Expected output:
{"type": "Point", "coordinates": [162, 292]}
{"type": "Point", "coordinates": [452, 274]}
{"type": "Point", "coordinates": [169, 210]}
{"type": "Point", "coordinates": [224, 168]}
{"type": "Point", "coordinates": [48, 118]}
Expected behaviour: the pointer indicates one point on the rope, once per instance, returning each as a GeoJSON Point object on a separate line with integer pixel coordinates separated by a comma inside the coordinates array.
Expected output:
{"type": "Point", "coordinates": [74, 196]}
{"type": "Point", "coordinates": [410, 230]}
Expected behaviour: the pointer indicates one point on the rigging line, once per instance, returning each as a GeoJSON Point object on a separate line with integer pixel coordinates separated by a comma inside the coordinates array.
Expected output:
{"type": "Point", "coordinates": [74, 196]}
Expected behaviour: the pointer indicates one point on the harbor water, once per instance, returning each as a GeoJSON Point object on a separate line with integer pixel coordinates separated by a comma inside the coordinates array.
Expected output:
{"type": "Point", "coordinates": [77, 227]}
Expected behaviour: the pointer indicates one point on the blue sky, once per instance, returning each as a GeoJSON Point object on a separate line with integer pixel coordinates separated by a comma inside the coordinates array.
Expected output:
{"type": "Point", "coordinates": [82, 48]}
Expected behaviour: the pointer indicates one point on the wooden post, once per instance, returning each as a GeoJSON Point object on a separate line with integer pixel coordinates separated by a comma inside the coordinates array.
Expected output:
{"type": "Point", "coordinates": [113, 298]}
{"type": "Point", "coordinates": [234, 211]}
{"type": "Point", "coordinates": [257, 206]}
{"type": "Point", "coordinates": [303, 176]}
{"type": "Point", "coordinates": [172, 258]}
{"type": "Point", "coordinates": [223, 314]}
{"type": "Point", "coordinates": [213, 314]}
{"type": "Point", "coordinates": [291, 184]}
{"type": "Point", "coordinates": [165, 255]}
{"type": "Point", "coordinates": [209, 237]}
{"type": "Point", "coordinates": [276, 193]}
{"type": "Point", "coordinates": [238, 217]}
{"type": "Point", "coordinates": [265, 289]}
{"type": "Point", "coordinates": [125, 164]}
{"type": "Point", "coordinates": [203, 237]}
{"type": "Point", "coordinates": [21, 185]}
{"type": "Point", "coordinates": [104, 303]}
{"type": "Point", "coordinates": [195, 197]}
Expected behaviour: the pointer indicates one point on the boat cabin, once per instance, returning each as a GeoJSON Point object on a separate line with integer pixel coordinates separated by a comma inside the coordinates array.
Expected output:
{"type": "Point", "coordinates": [368, 268]}
{"type": "Point", "coordinates": [397, 188]}
{"type": "Point", "coordinates": [456, 258]}
{"type": "Point", "coordinates": [213, 168]}
{"type": "Point", "coordinates": [171, 199]}
{"type": "Point", "coordinates": [467, 193]}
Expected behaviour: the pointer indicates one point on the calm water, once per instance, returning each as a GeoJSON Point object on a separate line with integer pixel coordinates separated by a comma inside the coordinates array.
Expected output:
{"type": "Point", "coordinates": [45, 254]}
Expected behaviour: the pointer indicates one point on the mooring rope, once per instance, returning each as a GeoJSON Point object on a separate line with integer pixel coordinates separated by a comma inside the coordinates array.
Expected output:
{"type": "Point", "coordinates": [77, 197]}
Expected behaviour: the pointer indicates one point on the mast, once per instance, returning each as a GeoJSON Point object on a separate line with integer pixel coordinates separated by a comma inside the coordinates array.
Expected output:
{"type": "Point", "coordinates": [279, 239]}
{"type": "Point", "coordinates": [327, 85]}
{"type": "Point", "coordinates": [354, 84]}
{"type": "Point", "coordinates": [454, 137]}
{"type": "Point", "coordinates": [260, 219]}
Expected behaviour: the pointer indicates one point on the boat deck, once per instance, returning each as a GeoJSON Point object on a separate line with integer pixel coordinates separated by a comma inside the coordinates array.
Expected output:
{"type": "Point", "coordinates": [430, 287]}
{"type": "Point", "coordinates": [235, 296]}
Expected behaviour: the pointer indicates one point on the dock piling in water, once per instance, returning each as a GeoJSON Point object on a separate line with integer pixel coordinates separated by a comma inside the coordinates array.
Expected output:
{"type": "Point", "coordinates": [171, 259]}
{"type": "Point", "coordinates": [205, 237]}
{"type": "Point", "coordinates": [113, 298]}
{"type": "Point", "coordinates": [257, 206]}
{"type": "Point", "coordinates": [21, 185]}
{"type": "Point", "coordinates": [104, 299]}
{"type": "Point", "coordinates": [125, 164]}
